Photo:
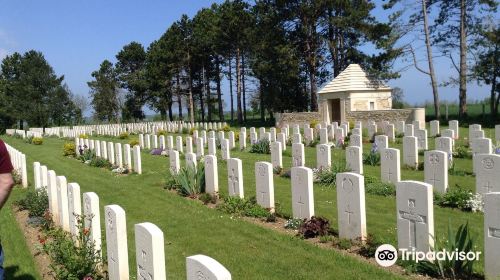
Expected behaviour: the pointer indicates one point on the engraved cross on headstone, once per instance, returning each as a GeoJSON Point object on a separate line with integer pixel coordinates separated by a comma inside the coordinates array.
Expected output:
{"type": "Point", "coordinates": [434, 179]}
{"type": "Point", "coordinates": [234, 181]}
{"type": "Point", "coordinates": [488, 187]}
{"type": "Point", "coordinates": [301, 206]}
{"type": "Point", "coordinates": [349, 212]}
{"type": "Point", "coordinates": [413, 219]}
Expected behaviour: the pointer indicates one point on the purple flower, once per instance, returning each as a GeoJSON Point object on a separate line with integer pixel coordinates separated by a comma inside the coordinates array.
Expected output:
{"type": "Point", "coordinates": [374, 148]}
{"type": "Point", "coordinates": [497, 151]}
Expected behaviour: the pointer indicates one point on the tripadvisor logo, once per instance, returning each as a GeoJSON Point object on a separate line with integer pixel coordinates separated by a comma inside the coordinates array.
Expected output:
{"type": "Point", "coordinates": [386, 255]}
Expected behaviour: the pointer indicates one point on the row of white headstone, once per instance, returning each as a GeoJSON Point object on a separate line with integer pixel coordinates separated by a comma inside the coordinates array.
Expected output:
{"type": "Point", "coordinates": [125, 157]}
{"type": "Point", "coordinates": [65, 206]}
{"type": "Point", "coordinates": [18, 160]}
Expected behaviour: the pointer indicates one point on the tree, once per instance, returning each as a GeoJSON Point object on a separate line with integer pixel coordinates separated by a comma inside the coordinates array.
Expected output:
{"type": "Point", "coordinates": [104, 92]}
{"type": "Point", "coordinates": [130, 72]}
{"type": "Point", "coordinates": [453, 24]}
{"type": "Point", "coordinates": [30, 77]}
{"type": "Point", "coordinates": [486, 69]}
{"type": "Point", "coordinates": [418, 15]}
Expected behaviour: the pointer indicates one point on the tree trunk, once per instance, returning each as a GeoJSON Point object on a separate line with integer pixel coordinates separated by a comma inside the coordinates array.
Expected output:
{"type": "Point", "coordinates": [191, 101]}
{"type": "Point", "coordinates": [261, 97]}
{"type": "Point", "coordinates": [231, 89]}
{"type": "Point", "coordinates": [494, 100]}
{"type": "Point", "coordinates": [219, 92]}
{"type": "Point", "coordinates": [435, 93]}
{"type": "Point", "coordinates": [463, 63]}
{"type": "Point", "coordinates": [179, 97]}
{"type": "Point", "coordinates": [170, 114]}
{"type": "Point", "coordinates": [238, 86]}
{"type": "Point", "coordinates": [206, 83]}
{"type": "Point", "coordinates": [243, 88]}
{"type": "Point", "coordinates": [312, 80]}
{"type": "Point", "coordinates": [202, 104]}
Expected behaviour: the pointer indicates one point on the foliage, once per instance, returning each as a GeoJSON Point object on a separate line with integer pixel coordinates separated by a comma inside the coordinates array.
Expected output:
{"type": "Point", "coordinates": [460, 241]}
{"type": "Point", "coordinates": [190, 181]}
{"type": "Point", "coordinates": [343, 243]}
{"type": "Point", "coordinates": [293, 223]}
{"type": "Point", "coordinates": [83, 136]}
{"type": "Point", "coordinates": [328, 177]}
{"type": "Point", "coordinates": [207, 198]}
{"type": "Point", "coordinates": [123, 135]}
{"type": "Point", "coordinates": [316, 226]}
{"type": "Point", "coordinates": [69, 149]}
{"type": "Point", "coordinates": [454, 171]}
{"type": "Point", "coordinates": [242, 207]}
{"type": "Point", "coordinates": [37, 141]}
{"type": "Point", "coordinates": [73, 260]}
{"type": "Point", "coordinates": [372, 158]}
{"type": "Point", "coordinates": [261, 147]}
{"type": "Point", "coordinates": [461, 152]}
{"type": "Point", "coordinates": [374, 186]}
{"type": "Point", "coordinates": [104, 92]}
{"type": "Point", "coordinates": [17, 176]}
{"type": "Point", "coordinates": [100, 163]}
{"type": "Point", "coordinates": [313, 124]}
{"type": "Point", "coordinates": [457, 197]}
{"type": "Point", "coordinates": [87, 155]}
{"type": "Point", "coordinates": [161, 132]}
{"type": "Point", "coordinates": [133, 143]}
{"type": "Point", "coordinates": [226, 128]}
{"type": "Point", "coordinates": [35, 201]}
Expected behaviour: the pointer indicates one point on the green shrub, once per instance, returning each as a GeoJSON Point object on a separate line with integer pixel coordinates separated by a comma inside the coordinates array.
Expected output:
{"type": "Point", "coordinates": [207, 198]}
{"type": "Point", "coordinates": [73, 260]}
{"type": "Point", "coordinates": [461, 152]}
{"type": "Point", "coordinates": [459, 241]}
{"type": "Point", "coordinates": [457, 197]}
{"type": "Point", "coordinates": [69, 149]}
{"type": "Point", "coordinates": [83, 136]}
{"type": "Point", "coordinates": [343, 243]}
{"type": "Point", "coordinates": [458, 172]}
{"type": "Point", "coordinates": [35, 201]}
{"type": "Point", "coordinates": [226, 128]}
{"type": "Point", "coordinates": [261, 147]}
{"type": "Point", "coordinates": [161, 132]}
{"type": "Point", "coordinates": [293, 223]}
{"type": "Point", "coordinates": [123, 135]}
{"type": "Point", "coordinates": [316, 226]}
{"type": "Point", "coordinates": [313, 124]}
{"type": "Point", "coordinates": [190, 181]}
{"type": "Point", "coordinates": [328, 177]}
{"type": "Point", "coordinates": [242, 207]}
{"type": "Point", "coordinates": [100, 163]}
{"type": "Point", "coordinates": [191, 131]}
{"type": "Point", "coordinates": [133, 143]}
{"type": "Point", "coordinates": [185, 130]}
{"type": "Point", "coordinates": [88, 155]}
{"type": "Point", "coordinates": [374, 186]}
{"type": "Point", "coordinates": [372, 158]}
{"type": "Point", "coordinates": [37, 141]}
{"type": "Point", "coordinates": [399, 135]}
{"type": "Point", "coordinates": [29, 139]}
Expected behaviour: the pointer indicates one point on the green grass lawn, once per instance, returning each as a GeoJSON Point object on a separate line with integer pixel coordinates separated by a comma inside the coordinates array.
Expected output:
{"type": "Point", "coordinates": [247, 250]}
{"type": "Point", "coordinates": [381, 211]}
{"type": "Point", "coordinates": [19, 264]}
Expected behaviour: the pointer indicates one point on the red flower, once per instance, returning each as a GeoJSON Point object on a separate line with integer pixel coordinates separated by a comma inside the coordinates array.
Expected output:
{"type": "Point", "coordinates": [86, 232]}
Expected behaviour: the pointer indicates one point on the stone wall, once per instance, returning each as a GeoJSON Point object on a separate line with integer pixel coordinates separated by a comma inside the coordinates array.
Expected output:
{"type": "Point", "coordinates": [407, 115]}
{"type": "Point", "coordinates": [299, 118]}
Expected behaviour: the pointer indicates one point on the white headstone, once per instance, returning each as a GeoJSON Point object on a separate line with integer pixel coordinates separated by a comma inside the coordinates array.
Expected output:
{"type": "Point", "coordinates": [201, 267]}
{"type": "Point", "coordinates": [434, 128]}
{"type": "Point", "coordinates": [354, 159]}
{"type": "Point", "coordinates": [235, 177]}
{"type": "Point", "coordinates": [127, 156]}
{"type": "Point", "coordinates": [62, 202]}
{"type": "Point", "coordinates": [118, 151]}
{"type": "Point", "coordinates": [302, 193]}
{"type": "Point", "coordinates": [415, 216]}
{"type": "Point", "coordinates": [211, 175]}
{"type": "Point", "coordinates": [444, 144]}
{"type": "Point", "coordinates": [298, 158]}
{"type": "Point", "coordinates": [116, 242]}
{"type": "Point", "coordinates": [92, 217]}
{"type": "Point", "coordinates": [175, 165]}
{"type": "Point", "coordinates": [189, 144]}
{"type": "Point", "coordinates": [389, 132]}
{"type": "Point", "coordinates": [323, 157]}
{"type": "Point", "coordinates": [410, 151]}
{"type": "Point", "coordinates": [74, 207]}
{"type": "Point", "coordinates": [224, 149]}
{"type": "Point", "coordinates": [487, 168]}
{"type": "Point", "coordinates": [149, 252]}
{"type": "Point", "coordinates": [436, 170]}
{"type": "Point", "coordinates": [190, 159]}
{"type": "Point", "coordinates": [212, 148]}
{"type": "Point", "coordinates": [37, 175]}
{"type": "Point", "coordinates": [179, 145]}
{"type": "Point", "coordinates": [281, 137]}
{"type": "Point", "coordinates": [264, 184]}
{"type": "Point", "coordinates": [53, 196]}
{"type": "Point", "coordinates": [200, 147]}
{"type": "Point", "coordinates": [409, 130]}
{"type": "Point", "coordinates": [491, 235]}
{"type": "Point", "coordinates": [390, 166]}
{"type": "Point", "coordinates": [351, 206]}
{"type": "Point", "coordinates": [382, 142]}
{"type": "Point", "coordinates": [137, 160]}
{"type": "Point", "coordinates": [276, 155]}
{"type": "Point", "coordinates": [453, 125]}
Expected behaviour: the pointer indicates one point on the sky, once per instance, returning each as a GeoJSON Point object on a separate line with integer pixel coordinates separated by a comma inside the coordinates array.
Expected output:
{"type": "Point", "coordinates": [76, 36]}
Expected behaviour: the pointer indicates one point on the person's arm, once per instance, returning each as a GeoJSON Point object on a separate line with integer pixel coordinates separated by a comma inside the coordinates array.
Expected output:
{"type": "Point", "coordinates": [6, 184]}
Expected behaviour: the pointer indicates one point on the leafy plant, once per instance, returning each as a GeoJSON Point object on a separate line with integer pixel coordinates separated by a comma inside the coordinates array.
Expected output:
{"type": "Point", "coordinates": [133, 143]}
{"type": "Point", "coordinates": [316, 226]}
{"type": "Point", "coordinates": [123, 135]}
{"type": "Point", "coordinates": [457, 197]}
{"type": "Point", "coordinates": [100, 163]}
{"type": "Point", "coordinates": [242, 207]}
{"type": "Point", "coordinates": [17, 177]}
{"type": "Point", "coordinates": [455, 268]}
{"type": "Point", "coordinates": [372, 158]}
{"type": "Point", "coordinates": [226, 128]}
{"type": "Point", "coordinates": [293, 223]}
{"type": "Point", "coordinates": [207, 198]}
{"type": "Point", "coordinates": [343, 243]}
{"type": "Point", "coordinates": [88, 155]}
{"type": "Point", "coordinates": [36, 201]}
{"type": "Point", "coordinates": [69, 149]}
{"type": "Point", "coordinates": [161, 132]}
{"type": "Point", "coordinates": [461, 152]}
{"type": "Point", "coordinates": [37, 141]}
{"type": "Point", "coordinates": [261, 147]}
{"type": "Point", "coordinates": [328, 177]}
{"type": "Point", "coordinates": [374, 186]}
{"type": "Point", "coordinates": [83, 136]}
{"type": "Point", "coordinates": [73, 260]}
{"type": "Point", "coordinates": [191, 180]}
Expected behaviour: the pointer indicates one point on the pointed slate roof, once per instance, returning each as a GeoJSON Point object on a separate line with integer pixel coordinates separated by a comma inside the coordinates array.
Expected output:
{"type": "Point", "coordinates": [353, 78]}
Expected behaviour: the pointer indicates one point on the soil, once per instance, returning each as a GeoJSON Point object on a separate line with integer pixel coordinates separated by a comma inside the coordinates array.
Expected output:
{"type": "Point", "coordinates": [31, 234]}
